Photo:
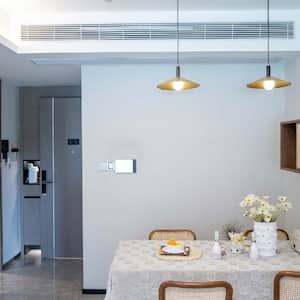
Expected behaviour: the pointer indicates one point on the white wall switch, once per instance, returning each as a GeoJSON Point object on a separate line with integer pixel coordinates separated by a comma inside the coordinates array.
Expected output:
{"type": "Point", "coordinates": [125, 166]}
{"type": "Point", "coordinates": [119, 166]}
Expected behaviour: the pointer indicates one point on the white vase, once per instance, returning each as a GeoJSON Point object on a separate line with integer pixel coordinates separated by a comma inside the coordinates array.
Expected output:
{"type": "Point", "coordinates": [266, 238]}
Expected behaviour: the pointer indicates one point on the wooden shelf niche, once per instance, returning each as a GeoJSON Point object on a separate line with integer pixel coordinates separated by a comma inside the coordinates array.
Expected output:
{"type": "Point", "coordinates": [290, 146]}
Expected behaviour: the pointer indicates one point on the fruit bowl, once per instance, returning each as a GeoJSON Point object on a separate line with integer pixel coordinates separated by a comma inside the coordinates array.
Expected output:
{"type": "Point", "coordinates": [173, 247]}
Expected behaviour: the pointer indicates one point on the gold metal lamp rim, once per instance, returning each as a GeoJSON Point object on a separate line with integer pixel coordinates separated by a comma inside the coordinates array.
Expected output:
{"type": "Point", "coordinates": [259, 84]}
{"type": "Point", "coordinates": [186, 83]}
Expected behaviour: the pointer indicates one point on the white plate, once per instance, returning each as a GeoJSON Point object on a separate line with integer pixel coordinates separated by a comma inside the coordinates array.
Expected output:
{"type": "Point", "coordinates": [173, 250]}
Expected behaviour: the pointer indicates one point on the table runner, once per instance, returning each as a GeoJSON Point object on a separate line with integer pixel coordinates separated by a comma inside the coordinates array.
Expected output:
{"type": "Point", "coordinates": [136, 272]}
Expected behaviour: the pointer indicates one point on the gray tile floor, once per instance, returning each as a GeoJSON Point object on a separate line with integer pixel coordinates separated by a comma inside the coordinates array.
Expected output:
{"type": "Point", "coordinates": [31, 278]}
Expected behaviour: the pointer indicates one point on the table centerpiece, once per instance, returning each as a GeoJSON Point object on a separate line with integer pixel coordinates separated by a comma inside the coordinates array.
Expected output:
{"type": "Point", "coordinates": [265, 216]}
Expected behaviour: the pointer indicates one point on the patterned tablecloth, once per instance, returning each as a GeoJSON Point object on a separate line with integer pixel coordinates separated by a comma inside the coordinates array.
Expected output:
{"type": "Point", "coordinates": [136, 272]}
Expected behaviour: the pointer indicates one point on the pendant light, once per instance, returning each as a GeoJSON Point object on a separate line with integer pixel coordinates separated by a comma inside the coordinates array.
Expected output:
{"type": "Point", "coordinates": [268, 82]}
{"type": "Point", "coordinates": [178, 83]}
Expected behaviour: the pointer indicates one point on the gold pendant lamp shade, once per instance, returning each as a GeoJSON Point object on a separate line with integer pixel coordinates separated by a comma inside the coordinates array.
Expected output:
{"type": "Point", "coordinates": [268, 82]}
{"type": "Point", "coordinates": [178, 83]}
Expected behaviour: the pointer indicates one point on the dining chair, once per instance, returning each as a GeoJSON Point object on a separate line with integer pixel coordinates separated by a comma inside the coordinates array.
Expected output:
{"type": "Point", "coordinates": [282, 235]}
{"type": "Point", "coordinates": [172, 234]}
{"type": "Point", "coordinates": [287, 286]}
{"type": "Point", "coordinates": [176, 290]}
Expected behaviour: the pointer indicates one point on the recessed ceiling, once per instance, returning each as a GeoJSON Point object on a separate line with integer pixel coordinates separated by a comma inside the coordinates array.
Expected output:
{"type": "Point", "coordinates": [64, 69]}
{"type": "Point", "coordinates": [22, 72]}
{"type": "Point", "coordinates": [134, 5]}
{"type": "Point", "coordinates": [157, 58]}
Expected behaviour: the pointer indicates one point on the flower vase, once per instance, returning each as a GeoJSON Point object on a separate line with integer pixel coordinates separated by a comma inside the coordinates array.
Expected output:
{"type": "Point", "coordinates": [266, 238]}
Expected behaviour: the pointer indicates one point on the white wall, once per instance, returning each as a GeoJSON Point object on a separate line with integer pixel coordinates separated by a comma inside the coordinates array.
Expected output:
{"type": "Point", "coordinates": [4, 24]}
{"type": "Point", "coordinates": [198, 153]}
{"type": "Point", "coordinates": [10, 174]}
{"type": "Point", "coordinates": [291, 180]}
{"type": "Point", "coordinates": [292, 71]}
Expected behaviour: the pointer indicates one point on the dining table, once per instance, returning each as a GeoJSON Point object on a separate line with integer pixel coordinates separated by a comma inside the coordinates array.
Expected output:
{"type": "Point", "coordinates": [137, 271]}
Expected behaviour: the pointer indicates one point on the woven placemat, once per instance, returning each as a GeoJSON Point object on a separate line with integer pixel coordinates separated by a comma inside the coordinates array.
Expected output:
{"type": "Point", "coordinates": [195, 253]}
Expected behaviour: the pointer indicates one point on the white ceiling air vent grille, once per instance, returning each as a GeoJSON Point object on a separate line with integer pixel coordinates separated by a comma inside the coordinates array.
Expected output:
{"type": "Point", "coordinates": [156, 31]}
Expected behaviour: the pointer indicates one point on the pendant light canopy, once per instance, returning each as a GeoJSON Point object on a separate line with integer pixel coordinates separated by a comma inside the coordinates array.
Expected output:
{"type": "Point", "coordinates": [268, 82]}
{"type": "Point", "coordinates": [178, 83]}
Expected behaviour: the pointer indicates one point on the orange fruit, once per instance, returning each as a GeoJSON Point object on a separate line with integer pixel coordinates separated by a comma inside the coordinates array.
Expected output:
{"type": "Point", "coordinates": [172, 243]}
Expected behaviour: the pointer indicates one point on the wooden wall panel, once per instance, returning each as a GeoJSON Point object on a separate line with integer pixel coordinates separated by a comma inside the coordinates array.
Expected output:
{"type": "Point", "coordinates": [298, 146]}
{"type": "Point", "coordinates": [290, 146]}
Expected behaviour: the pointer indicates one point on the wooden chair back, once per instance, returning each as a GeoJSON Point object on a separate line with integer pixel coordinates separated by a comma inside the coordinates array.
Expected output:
{"type": "Point", "coordinates": [172, 234]}
{"type": "Point", "coordinates": [176, 290]}
{"type": "Point", "coordinates": [287, 285]}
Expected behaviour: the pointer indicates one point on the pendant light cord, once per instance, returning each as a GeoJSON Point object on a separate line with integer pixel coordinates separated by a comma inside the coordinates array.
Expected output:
{"type": "Point", "coordinates": [177, 28]}
{"type": "Point", "coordinates": [268, 24]}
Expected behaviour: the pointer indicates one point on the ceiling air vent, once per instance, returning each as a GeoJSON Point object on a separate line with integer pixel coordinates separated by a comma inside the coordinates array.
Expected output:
{"type": "Point", "coordinates": [156, 31]}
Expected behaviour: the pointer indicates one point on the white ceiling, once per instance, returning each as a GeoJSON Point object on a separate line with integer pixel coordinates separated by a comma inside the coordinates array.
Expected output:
{"type": "Point", "coordinates": [64, 69]}
{"type": "Point", "coordinates": [133, 5]}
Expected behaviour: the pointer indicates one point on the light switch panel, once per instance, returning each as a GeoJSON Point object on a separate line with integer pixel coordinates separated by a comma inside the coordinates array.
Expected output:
{"type": "Point", "coordinates": [125, 166]}
{"type": "Point", "coordinates": [119, 166]}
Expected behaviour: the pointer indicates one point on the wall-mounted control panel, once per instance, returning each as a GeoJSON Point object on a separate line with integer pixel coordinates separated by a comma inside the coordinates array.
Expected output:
{"type": "Point", "coordinates": [118, 166]}
{"type": "Point", "coordinates": [73, 142]}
